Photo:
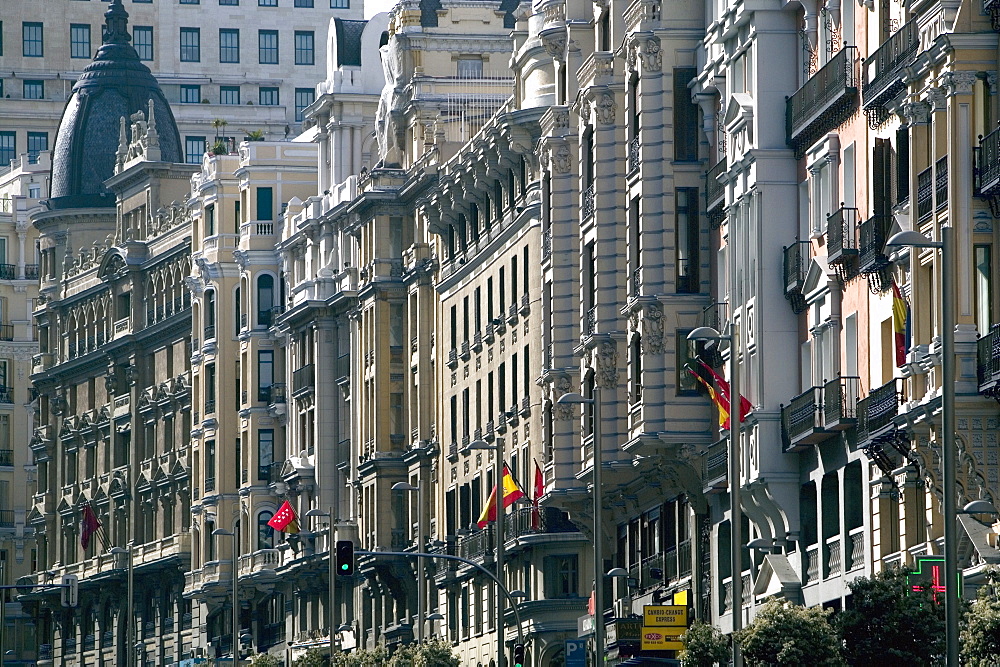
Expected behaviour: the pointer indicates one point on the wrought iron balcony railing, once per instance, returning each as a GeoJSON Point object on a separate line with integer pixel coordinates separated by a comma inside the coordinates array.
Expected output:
{"type": "Point", "coordinates": [878, 409]}
{"type": "Point", "coordinates": [715, 467]}
{"type": "Point", "coordinates": [304, 378]}
{"type": "Point", "coordinates": [883, 69]}
{"type": "Point", "coordinates": [872, 235]}
{"type": "Point", "coordinates": [925, 193]}
{"type": "Point", "coordinates": [841, 242]}
{"type": "Point", "coordinates": [715, 192]}
{"type": "Point", "coordinates": [801, 420]}
{"type": "Point", "coordinates": [796, 263]}
{"type": "Point", "coordinates": [587, 207]}
{"type": "Point", "coordinates": [633, 155]}
{"type": "Point", "coordinates": [825, 101]}
{"type": "Point", "coordinates": [840, 403]}
{"type": "Point", "coordinates": [987, 176]}
{"type": "Point", "coordinates": [988, 366]}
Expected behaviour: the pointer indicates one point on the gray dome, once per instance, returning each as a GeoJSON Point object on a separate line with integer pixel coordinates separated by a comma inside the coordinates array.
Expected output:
{"type": "Point", "coordinates": [116, 84]}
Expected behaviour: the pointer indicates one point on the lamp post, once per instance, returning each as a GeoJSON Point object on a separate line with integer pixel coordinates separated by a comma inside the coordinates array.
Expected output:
{"type": "Point", "coordinates": [498, 466]}
{"type": "Point", "coordinates": [598, 498]}
{"type": "Point", "coordinates": [417, 489]}
{"type": "Point", "coordinates": [220, 532]}
{"type": "Point", "coordinates": [948, 465]}
{"type": "Point", "coordinates": [331, 602]}
{"type": "Point", "coordinates": [735, 474]}
{"type": "Point", "coordinates": [129, 604]}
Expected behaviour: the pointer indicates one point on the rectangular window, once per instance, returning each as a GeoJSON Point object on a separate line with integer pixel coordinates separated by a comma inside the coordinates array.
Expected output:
{"type": "Point", "coordinates": [265, 453]}
{"type": "Point", "coordinates": [305, 47]}
{"type": "Point", "coordinates": [686, 123]}
{"type": "Point", "coordinates": [209, 389]}
{"type": "Point", "coordinates": [265, 204]}
{"type": "Point", "coordinates": [229, 3]}
{"type": "Point", "coordinates": [229, 45]}
{"type": "Point", "coordinates": [984, 287]}
{"type": "Point", "coordinates": [687, 353]}
{"type": "Point", "coordinates": [194, 149]}
{"type": "Point", "coordinates": [210, 220]}
{"type": "Point", "coordinates": [267, 41]}
{"type": "Point", "coordinates": [190, 45]}
{"type": "Point", "coordinates": [8, 148]}
{"type": "Point", "coordinates": [688, 238]}
{"type": "Point", "coordinates": [562, 574]}
{"type": "Point", "coordinates": [265, 374]}
{"type": "Point", "coordinates": [303, 98]}
{"type": "Point", "coordinates": [37, 142]}
{"type": "Point", "coordinates": [304, 3]}
{"type": "Point", "coordinates": [79, 40]}
{"type": "Point", "coordinates": [470, 68]}
{"type": "Point", "coordinates": [268, 96]}
{"type": "Point", "coordinates": [210, 466]}
{"type": "Point", "coordinates": [190, 2]}
{"type": "Point", "coordinates": [267, 3]}
{"type": "Point", "coordinates": [229, 94]}
{"type": "Point", "coordinates": [142, 40]}
{"type": "Point", "coordinates": [32, 40]}
{"type": "Point", "coordinates": [340, 4]}
{"type": "Point", "coordinates": [190, 94]}
{"type": "Point", "coordinates": [34, 89]}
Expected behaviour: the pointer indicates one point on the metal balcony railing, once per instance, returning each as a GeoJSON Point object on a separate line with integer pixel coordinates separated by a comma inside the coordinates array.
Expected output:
{"type": "Point", "coordinates": [715, 192]}
{"type": "Point", "coordinates": [840, 403]}
{"type": "Point", "coordinates": [941, 181]}
{"type": "Point", "coordinates": [800, 420]}
{"type": "Point", "coordinates": [6, 394]}
{"type": "Point", "coordinates": [633, 155]}
{"type": "Point", "coordinates": [872, 235]}
{"type": "Point", "coordinates": [6, 457]}
{"type": "Point", "coordinates": [824, 101]}
{"type": "Point", "coordinates": [987, 174]}
{"type": "Point", "coordinates": [925, 193]}
{"type": "Point", "coordinates": [31, 272]}
{"type": "Point", "coordinates": [883, 69]}
{"type": "Point", "coordinates": [796, 263]}
{"type": "Point", "coordinates": [6, 518]}
{"type": "Point", "coordinates": [587, 206]}
{"type": "Point", "coordinates": [8, 272]}
{"type": "Point", "coordinates": [988, 356]}
{"type": "Point", "coordinates": [304, 378]}
{"type": "Point", "coordinates": [715, 466]}
{"type": "Point", "coordinates": [841, 243]}
{"type": "Point", "coordinates": [878, 409]}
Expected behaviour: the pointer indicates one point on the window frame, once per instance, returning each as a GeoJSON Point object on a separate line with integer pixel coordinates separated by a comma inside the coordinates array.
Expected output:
{"type": "Point", "coordinates": [268, 91]}
{"type": "Point", "coordinates": [265, 53]}
{"type": "Point", "coordinates": [305, 55]}
{"type": "Point", "coordinates": [75, 31]}
{"type": "Point", "coordinates": [38, 84]}
{"type": "Point", "coordinates": [190, 52]}
{"type": "Point", "coordinates": [229, 52]}
{"type": "Point", "coordinates": [39, 42]}
{"type": "Point", "coordinates": [225, 91]}
{"type": "Point", "coordinates": [140, 47]}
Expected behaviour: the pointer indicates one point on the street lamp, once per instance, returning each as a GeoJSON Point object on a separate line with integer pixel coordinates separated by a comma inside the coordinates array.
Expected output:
{"type": "Point", "coordinates": [498, 468]}
{"type": "Point", "coordinates": [735, 475]}
{"type": "Point", "coordinates": [222, 532]}
{"type": "Point", "coordinates": [598, 497]}
{"type": "Point", "coordinates": [331, 602]}
{"type": "Point", "coordinates": [129, 608]}
{"type": "Point", "coordinates": [979, 507]}
{"type": "Point", "coordinates": [417, 489]}
{"type": "Point", "coordinates": [948, 465]}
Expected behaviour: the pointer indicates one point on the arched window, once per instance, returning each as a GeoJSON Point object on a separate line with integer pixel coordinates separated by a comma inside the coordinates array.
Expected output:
{"type": "Point", "coordinates": [265, 534]}
{"type": "Point", "coordinates": [265, 299]}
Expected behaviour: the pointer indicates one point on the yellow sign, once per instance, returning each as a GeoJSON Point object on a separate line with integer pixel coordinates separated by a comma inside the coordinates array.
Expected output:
{"type": "Point", "coordinates": [662, 638]}
{"type": "Point", "coordinates": [665, 615]}
{"type": "Point", "coordinates": [681, 598]}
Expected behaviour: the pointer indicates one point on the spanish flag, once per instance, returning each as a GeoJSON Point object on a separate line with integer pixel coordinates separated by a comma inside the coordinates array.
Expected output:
{"type": "Point", "coordinates": [511, 494]}
{"type": "Point", "coordinates": [900, 324]}
{"type": "Point", "coordinates": [722, 406]}
{"type": "Point", "coordinates": [722, 389]}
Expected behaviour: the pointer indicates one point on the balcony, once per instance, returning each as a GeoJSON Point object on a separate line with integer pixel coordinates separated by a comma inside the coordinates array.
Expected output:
{"type": "Point", "coordinates": [590, 322]}
{"type": "Point", "coordinates": [876, 412]}
{"type": "Point", "coordinates": [941, 181]}
{"type": "Point", "coordinates": [633, 156]}
{"type": "Point", "coordinates": [987, 171]}
{"type": "Point", "coordinates": [796, 265]}
{"type": "Point", "coordinates": [988, 366]}
{"type": "Point", "coordinates": [6, 394]}
{"type": "Point", "coordinates": [31, 272]}
{"type": "Point", "coordinates": [872, 235]}
{"type": "Point", "coordinates": [304, 380]}
{"type": "Point", "coordinates": [883, 71]}
{"type": "Point", "coordinates": [523, 521]}
{"type": "Point", "coordinates": [826, 100]}
{"type": "Point", "coordinates": [840, 403]}
{"type": "Point", "coordinates": [6, 457]}
{"type": "Point", "coordinates": [715, 467]}
{"type": "Point", "coordinates": [6, 518]}
{"type": "Point", "coordinates": [925, 194]}
{"type": "Point", "coordinates": [587, 206]}
{"type": "Point", "coordinates": [841, 243]}
{"type": "Point", "coordinates": [8, 272]}
{"type": "Point", "coordinates": [802, 422]}
{"type": "Point", "coordinates": [715, 192]}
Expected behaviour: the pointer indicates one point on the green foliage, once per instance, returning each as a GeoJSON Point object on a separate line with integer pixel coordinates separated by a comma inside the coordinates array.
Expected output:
{"type": "Point", "coordinates": [219, 148]}
{"type": "Point", "coordinates": [889, 625]}
{"type": "Point", "coordinates": [432, 653]}
{"type": "Point", "coordinates": [255, 135]}
{"type": "Point", "coordinates": [704, 646]}
{"type": "Point", "coordinates": [265, 660]}
{"type": "Point", "coordinates": [786, 634]}
{"type": "Point", "coordinates": [314, 657]}
{"type": "Point", "coordinates": [980, 638]}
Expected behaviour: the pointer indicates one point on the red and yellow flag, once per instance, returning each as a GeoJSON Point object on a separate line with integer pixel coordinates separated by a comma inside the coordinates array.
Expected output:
{"type": "Point", "coordinates": [285, 519]}
{"type": "Point", "coordinates": [721, 405]}
{"type": "Point", "coordinates": [511, 493]}
{"type": "Point", "coordinates": [900, 324]}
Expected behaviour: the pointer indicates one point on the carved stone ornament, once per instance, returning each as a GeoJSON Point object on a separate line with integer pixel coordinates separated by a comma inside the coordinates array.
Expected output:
{"type": "Point", "coordinates": [607, 365]}
{"type": "Point", "coordinates": [917, 113]}
{"type": "Point", "coordinates": [562, 159]}
{"type": "Point", "coordinates": [554, 44]}
{"type": "Point", "coordinates": [562, 411]}
{"type": "Point", "coordinates": [937, 98]}
{"type": "Point", "coordinates": [652, 331]}
{"type": "Point", "coordinates": [606, 108]}
{"type": "Point", "coordinates": [651, 54]}
{"type": "Point", "coordinates": [960, 83]}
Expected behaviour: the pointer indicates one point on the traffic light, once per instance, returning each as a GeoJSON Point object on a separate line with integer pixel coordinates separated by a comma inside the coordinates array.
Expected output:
{"type": "Point", "coordinates": [70, 590]}
{"type": "Point", "coordinates": [518, 655]}
{"type": "Point", "coordinates": [345, 558]}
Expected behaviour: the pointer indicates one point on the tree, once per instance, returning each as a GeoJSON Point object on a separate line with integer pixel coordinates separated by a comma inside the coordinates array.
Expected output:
{"type": "Point", "coordinates": [889, 624]}
{"type": "Point", "coordinates": [314, 657]}
{"type": "Point", "coordinates": [265, 660]}
{"type": "Point", "coordinates": [786, 634]}
{"type": "Point", "coordinates": [704, 646]}
{"type": "Point", "coordinates": [980, 638]}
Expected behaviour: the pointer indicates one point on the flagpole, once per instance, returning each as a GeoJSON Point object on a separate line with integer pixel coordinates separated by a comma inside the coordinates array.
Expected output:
{"type": "Point", "coordinates": [499, 504]}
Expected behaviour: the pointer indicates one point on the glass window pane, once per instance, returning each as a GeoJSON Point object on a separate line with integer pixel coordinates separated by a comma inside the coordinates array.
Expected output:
{"type": "Point", "coordinates": [229, 45]}
{"type": "Point", "coordinates": [142, 40]}
{"type": "Point", "coordinates": [79, 41]}
{"type": "Point", "coordinates": [229, 95]}
{"type": "Point", "coordinates": [8, 148]}
{"type": "Point", "coordinates": [268, 43]}
{"type": "Point", "coordinates": [304, 48]}
{"type": "Point", "coordinates": [34, 90]}
{"type": "Point", "coordinates": [194, 149]}
{"type": "Point", "coordinates": [190, 45]}
{"type": "Point", "coordinates": [37, 142]}
{"type": "Point", "coordinates": [33, 46]}
{"type": "Point", "coordinates": [303, 98]}
{"type": "Point", "coordinates": [190, 94]}
{"type": "Point", "coordinates": [268, 96]}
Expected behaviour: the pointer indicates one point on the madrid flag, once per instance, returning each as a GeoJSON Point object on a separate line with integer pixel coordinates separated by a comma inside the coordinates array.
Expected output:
{"type": "Point", "coordinates": [285, 520]}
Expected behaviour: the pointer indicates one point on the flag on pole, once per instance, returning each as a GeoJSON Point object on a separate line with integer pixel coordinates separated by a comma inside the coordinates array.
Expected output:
{"type": "Point", "coordinates": [89, 525]}
{"type": "Point", "coordinates": [722, 407]}
{"type": "Point", "coordinates": [722, 388]}
{"type": "Point", "coordinates": [900, 324]}
{"type": "Point", "coordinates": [511, 493]}
{"type": "Point", "coordinates": [538, 491]}
{"type": "Point", "coordinates": [285, 519]}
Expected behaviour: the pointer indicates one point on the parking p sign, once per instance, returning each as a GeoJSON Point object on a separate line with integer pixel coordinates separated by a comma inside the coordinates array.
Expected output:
{"type": "Point", "coordinates": [576, 653]}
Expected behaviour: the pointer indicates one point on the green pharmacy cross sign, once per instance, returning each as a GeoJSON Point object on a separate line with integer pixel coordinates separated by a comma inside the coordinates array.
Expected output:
{"type": "Point", "coordinates": [929, 575]}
